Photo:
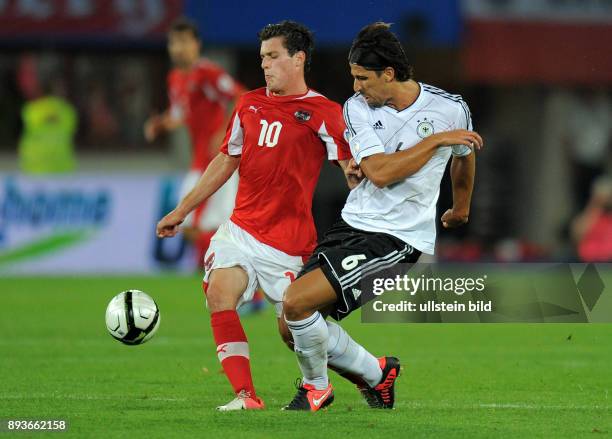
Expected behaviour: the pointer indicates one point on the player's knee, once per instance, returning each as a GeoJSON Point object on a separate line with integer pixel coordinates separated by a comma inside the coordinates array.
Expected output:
{"type": "Point", "coordinates": [293, 305]}
{"type": "Point", "coordinates": [219, 299]}
{"type": "Point", "coordinates": [216, 300]}
{"type": "Point", "coordinates": [225, 289]}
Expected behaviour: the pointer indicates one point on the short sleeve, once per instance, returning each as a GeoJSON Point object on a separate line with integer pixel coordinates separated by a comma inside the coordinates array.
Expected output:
{"type": "Point", "coordinates": [362, 138]}
{"type": "Point", "coordinates": [234, 136]}
{"type": "Point", "coordinates": [464, 121]}
{"type": "Point", "coordinates": [331, 132]}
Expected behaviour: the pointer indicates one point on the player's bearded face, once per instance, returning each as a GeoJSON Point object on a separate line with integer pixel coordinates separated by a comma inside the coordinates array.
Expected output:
{"type": "Point", "coordinates": [369, 84]}
{"type": "Point", "coordinates": [280, 69]}
{"type": "Point", "coordinates": [184, 49]}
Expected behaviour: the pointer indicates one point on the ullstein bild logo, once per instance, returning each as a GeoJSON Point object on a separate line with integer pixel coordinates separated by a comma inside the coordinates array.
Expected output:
{"type": "Point", "coordinates": [489, 293]}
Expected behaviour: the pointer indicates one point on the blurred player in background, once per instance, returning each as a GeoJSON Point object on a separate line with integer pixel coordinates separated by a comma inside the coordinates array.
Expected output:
{"type": "Point", "coordinates": [202, 96]}
{"type": "Point", "coordinates": [49, 126]}
{"type": "Point", "coordinates": [402, 134]}
{"type": "Point", "coordinates": [278, 138]}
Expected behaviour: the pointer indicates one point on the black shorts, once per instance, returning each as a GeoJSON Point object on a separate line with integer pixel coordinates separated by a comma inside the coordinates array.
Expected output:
{"type": "Point", "coordinates": [347, 255]}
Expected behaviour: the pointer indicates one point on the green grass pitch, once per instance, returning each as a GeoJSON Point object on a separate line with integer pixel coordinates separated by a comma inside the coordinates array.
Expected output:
{"type": "Point", "coordinates": [57, 361]}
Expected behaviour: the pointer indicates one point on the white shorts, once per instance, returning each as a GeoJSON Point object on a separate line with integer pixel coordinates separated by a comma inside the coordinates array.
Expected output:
{"type": "Point", "coordinates": [266, 267]}
{"type": "Point", "coordinates": [217, 209]}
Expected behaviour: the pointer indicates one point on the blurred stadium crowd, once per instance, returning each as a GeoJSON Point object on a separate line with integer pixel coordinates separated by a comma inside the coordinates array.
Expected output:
{"type": "Point", "coordinates": [536, 74]}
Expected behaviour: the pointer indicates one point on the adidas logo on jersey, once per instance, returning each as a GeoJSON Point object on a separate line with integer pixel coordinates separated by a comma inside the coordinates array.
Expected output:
{"type": "Point", "coordinates": [356, 293]}
{"type": "Point", "coordinates": [378, 125]}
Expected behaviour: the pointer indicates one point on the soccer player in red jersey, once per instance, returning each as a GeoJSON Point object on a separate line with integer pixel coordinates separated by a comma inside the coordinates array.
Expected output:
{"type": "Point", "coordinates": [201, 96]}
{"type": "Point", "coordinates": [278, 138]}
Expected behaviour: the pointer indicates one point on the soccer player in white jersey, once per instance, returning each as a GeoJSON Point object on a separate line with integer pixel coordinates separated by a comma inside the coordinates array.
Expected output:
{"type": "Point", "coordinates": [278, 138]}
{"type": "Point", "coordinates": [401, 134]}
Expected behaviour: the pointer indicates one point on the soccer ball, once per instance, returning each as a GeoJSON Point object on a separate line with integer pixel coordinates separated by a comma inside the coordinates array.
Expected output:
{"type": "Point", "coordinates": [132, 317]}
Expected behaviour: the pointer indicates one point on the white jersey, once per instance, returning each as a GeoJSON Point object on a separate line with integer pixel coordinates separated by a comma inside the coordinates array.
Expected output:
{"type": "Point", "coordinates": [406, 209]}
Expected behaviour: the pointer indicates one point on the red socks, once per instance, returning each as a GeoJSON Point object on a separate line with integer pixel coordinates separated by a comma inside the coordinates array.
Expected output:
{"type": "Point", "coordinates": [233, 350]}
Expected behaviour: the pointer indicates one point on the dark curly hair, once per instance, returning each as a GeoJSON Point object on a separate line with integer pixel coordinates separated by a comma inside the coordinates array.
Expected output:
{"type": "Point", "coordinates": [296, 37]}
{"type": "Point", "coordinates": [377, 48]}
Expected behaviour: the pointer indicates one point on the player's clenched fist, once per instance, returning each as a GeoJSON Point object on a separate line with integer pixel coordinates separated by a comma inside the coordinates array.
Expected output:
{"type": "Point", "coordinates": [168, 226]}
{"type": "Point", "coordinates": [452, 219]}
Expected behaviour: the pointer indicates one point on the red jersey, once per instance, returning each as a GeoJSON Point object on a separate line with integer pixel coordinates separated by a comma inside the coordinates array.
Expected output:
{"type": "Point", "coordinates": [200, 97]}
{"type": "Point", "coordinates": [283, 141]}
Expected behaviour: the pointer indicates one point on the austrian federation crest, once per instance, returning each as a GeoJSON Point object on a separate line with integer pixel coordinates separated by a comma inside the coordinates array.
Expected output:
{"type": "Point", "coordinates": [302, 115]}
{"type": "Point", "coordinates": [425, 128]}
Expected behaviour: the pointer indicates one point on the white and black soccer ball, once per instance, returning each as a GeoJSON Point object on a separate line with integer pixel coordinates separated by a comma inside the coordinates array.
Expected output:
{"type": "Point", "coordinates": [132, 317]}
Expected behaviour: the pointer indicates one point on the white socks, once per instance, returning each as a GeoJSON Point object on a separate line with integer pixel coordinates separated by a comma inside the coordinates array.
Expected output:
{"type": "Point", "coordinates": [345, 355]}
{"type": "Point", "coordinates": [317, 342]}
{"type": "Point", "coordinates": [310, 337]}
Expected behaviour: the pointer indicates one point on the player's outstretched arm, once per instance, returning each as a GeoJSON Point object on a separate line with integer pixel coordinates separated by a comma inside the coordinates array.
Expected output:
{"type": "Point", "coordinates": [216, 174]}
{"type": "Point", "coordinates": [385, 169]}
{"type": "Point", "coordinates": [462, 173]}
